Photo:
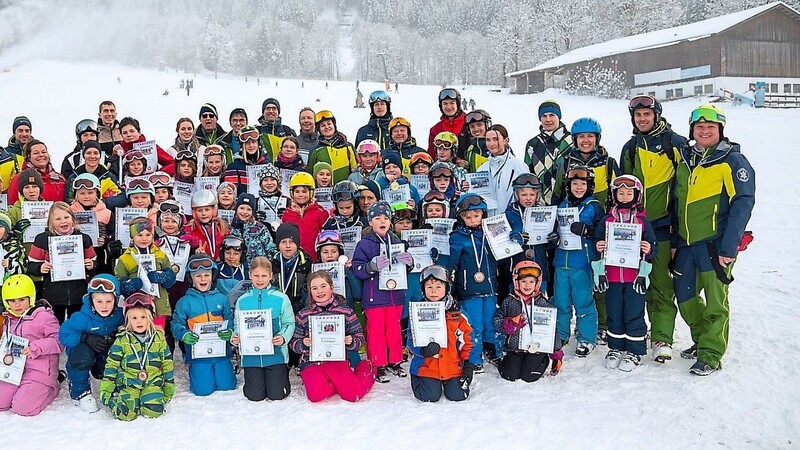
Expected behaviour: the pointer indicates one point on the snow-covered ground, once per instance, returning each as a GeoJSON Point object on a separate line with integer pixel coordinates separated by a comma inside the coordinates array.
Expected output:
{"type": "Point", "coordinates": [752, 403]}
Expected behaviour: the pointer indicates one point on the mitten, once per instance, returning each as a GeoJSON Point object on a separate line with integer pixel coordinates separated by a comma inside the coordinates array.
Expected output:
{"type": "Point", "coordinates": [169, 390]}
{"type": "Point", "coordinates": [403, 258]}
{"type": "Point", "coordinates": [430, 350]}
{"type": "Point", "coordinates": [642, 281]}
{"type": "Point", "coordinates": [581, 229]}
{"type": "Point", "coordinates": [434, 254]}
{"type": "Point", "coordinates": [225, 335]}
{"type": "Point", "coordinates": [115, 249]}
{"type": "Point", "coordinates": [556, 359]}
{"type": "Point", "coordinates": [130, 285]}
{"type": "Point", "coordinates": [466, 375]}
{"type": "Point", "coordinates": [377, 264]}
{"type": "Point", "coordinates": [164, 278]}
{"type": "Point", "coordinates": [599, 272]}
{"type": "Point", "coordinates": [190, 338]}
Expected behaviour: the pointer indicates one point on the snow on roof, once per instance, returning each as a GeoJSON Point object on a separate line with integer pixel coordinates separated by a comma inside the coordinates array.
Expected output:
{"type": "Point", "coordinates": [653, 39]}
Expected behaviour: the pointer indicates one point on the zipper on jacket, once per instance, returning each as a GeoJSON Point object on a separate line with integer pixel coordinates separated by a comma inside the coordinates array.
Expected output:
{"type": "Point", "coordinates": [714, 219]}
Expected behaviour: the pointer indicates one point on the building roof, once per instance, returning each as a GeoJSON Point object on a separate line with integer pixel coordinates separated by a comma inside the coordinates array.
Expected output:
{"type": "Point", "coordinates": [653, 39]}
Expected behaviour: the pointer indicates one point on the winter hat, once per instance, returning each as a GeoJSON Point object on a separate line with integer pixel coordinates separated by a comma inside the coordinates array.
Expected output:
{"type": "Point", "coordinates": [140, 224]}
{"type": "Point", "coordinates": [288, 230]}
{"type": "Point", "coordinates": [322, 165]}
{"type": "Point", "coordinates": [91, 144]}
{"type": "Point", "coordinates": [372, 186]}
{"type": "Point", "coordinates": [208, 108]}
{"type": "Point", "coordinates": [269, 171]}
{"type": "Point", "coordinates": [247, 199]}
{"type": "Point", "coordinates": [238, 111]}
{"type": "Point", "coordinates": [550, 106]}
{"type": "Point", "coordinates": [271, 101]}
{"type": "Point", "coordinates": [393, 158]}
{"type": "Point", "coordinates": [226, 185]}
{"type": "Point", "coordinates": [19, 121]}
{"type": "Point", "coordinates": [380, 208]}
{"type": "Point", "coordinates": [5, 222]}
{"type": "Point", "coordinates": [30, 176]}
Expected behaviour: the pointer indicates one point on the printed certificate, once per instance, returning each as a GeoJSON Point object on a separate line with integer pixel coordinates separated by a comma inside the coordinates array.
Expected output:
{"type": "Point", "coordinates": [338, 275]}
{"type": "Point", "coordinates": [13, 361]}
{"type": "Point", "coordinates": [255, 332]}
{"type": "Point", "coordinates": [327, 338]}
{"type": "Point", "coordinates": [568, 240]}
{"type": "Point", "coordinates": [428, 323]}
{"type": "Point", "coordinates": [123, 219]}
{"type": "Point", "coordinates": [623, 241]}
{"type": "Point", "coordinates": [420, 243]}
{"type": "Point", "coordinates": [539, 222]}
{"type": "Point", "coordinates": [497, 232]}
{"type": "Point", "coordinates": [66, 255]}
{"type": "Point", "coordinates": [209, 345]}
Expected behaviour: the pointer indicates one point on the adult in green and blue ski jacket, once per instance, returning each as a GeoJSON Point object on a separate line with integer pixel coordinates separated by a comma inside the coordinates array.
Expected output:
{"type": "Point", "coordinates": [715, 195]}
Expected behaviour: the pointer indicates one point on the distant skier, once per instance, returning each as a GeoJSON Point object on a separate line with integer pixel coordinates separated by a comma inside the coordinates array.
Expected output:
{"type": "Point", "coordinates": [464, 104]}
{"type": "Point", "coordinates": [472, 104]}
{"type": "Point", "coordinates": [166, 93]}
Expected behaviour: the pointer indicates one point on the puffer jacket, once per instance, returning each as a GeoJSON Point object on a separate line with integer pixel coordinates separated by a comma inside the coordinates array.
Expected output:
{"type": "Point", "coordinates": [200, 307]}
{"type": "Point", "coordinates": [604, 167]}
{"type": "Point", "coordinates": [282, 323]}
{"type": "Point", "coordinates": [122, 366]}
{"type": "Point", "coordinates": [627, 274]}
{"type": "Point", "coordinates": [352, 327]}
{"type": "Point", "coordinates": [367, 248]}
{"type": "Point", "coordinates": [454, 125]}
{"type": "Point", "coordinates": [40, 327]}
{"type": "Point", "coordinates": [590, 213]}
{"type": "Point", "coordinates": [310, 222]}
{"type": "Point", "coordinates": [376, 129]}
{"type": "Point", "coordinates": [337, 152]}
{"type": "Point", "coordinates": [88, 321]}
{"type": "Point", "coordinates": [513, 306]}
{"type": "Point", "coordinates": [463, 264]}
{"type": "Point", "coordinates": [450, 361]}
{"type": "Point", "coordinates": [257, 239]}
{"type": "Point", "coordinates": [127, 268]}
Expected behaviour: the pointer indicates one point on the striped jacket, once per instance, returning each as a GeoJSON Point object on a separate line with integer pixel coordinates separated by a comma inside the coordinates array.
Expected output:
{"type": "Point", "coordinates": [123, 367]}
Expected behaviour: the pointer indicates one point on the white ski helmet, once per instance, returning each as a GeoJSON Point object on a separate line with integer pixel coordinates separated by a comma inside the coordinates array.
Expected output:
{"type": "Point", "coordinates": [203, 198]}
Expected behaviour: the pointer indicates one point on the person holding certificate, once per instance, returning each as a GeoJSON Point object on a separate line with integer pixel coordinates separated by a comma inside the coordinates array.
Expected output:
{"type": "Point", "coordinates": [29, 349]}
{"type": "Point", "coordinates": [265, 356]}
{"type": "Point", "coordinates": [438, 368]}
{"type": "Point", "coordinates": [626, 232]}
{"type": "Point", "coordinates": [323, 379]}
{"type": "Point", "coordinates": [88, 200]}
{"type": "Point", "coordinates": [203, 307]}
{"type": "Point", "coordinates": [66, 297]}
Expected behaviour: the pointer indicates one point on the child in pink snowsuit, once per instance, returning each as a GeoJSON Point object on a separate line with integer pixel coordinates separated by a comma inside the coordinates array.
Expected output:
{"type": "Point", "coordinates": [324, 379]}
{"type": "Point", "coordinates": [36, 323]}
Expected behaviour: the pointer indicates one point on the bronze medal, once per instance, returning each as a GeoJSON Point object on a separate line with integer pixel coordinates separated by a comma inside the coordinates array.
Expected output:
{"type": "Point", "coordinates": [479, 277]}
{"type": "Point", "coordinates": [533, 348]}
{"type": "Point", "coordinates": [8, 359]}
{"type": "Point", "coordinates": [391, 284]}
{"type": "Point", "coordinates": [143, 375]}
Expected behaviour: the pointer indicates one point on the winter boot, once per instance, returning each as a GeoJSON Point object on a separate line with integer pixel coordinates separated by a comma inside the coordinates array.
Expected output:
{"type": "Point", "coordinates": [602, 337]}
{"type": "Point", "coordinates": [702, 369]}
{"type": "Point", "coordinates": [583, 349]}
{"type": "Point", "coordinates": [662, 352]}
{"type": "Point", "coordinates": [613, 358]}
{"type": "Point", "coordinates": [490, 354]}
{"type": "Point", "coordinates": [380, 375]}
{"type": "Point", "coordinates": [87, 402]}
{"type": "Point", "coordinates": [397, 370]}
{"type": "Point", "coordinates": [630, 362]}
{"type": "Point", "coordinates": [478, 369]}
{"type": "Point", "coordinates": [690, 353]}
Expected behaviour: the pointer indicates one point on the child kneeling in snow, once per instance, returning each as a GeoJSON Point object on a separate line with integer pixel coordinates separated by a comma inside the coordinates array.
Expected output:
{"type": "Point", "coordinates": [201, 304]}
{"type": "Point", "coordinates": [435, 369]}
{"type": "Point", "coordinates": [138, 377]}
{"type": "Point", "coordinates": [324, 379]}
{"type": "Point", "coordinates": [514, 315]}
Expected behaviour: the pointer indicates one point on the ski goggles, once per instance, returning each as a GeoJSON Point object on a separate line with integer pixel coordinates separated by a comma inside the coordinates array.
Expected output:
{"type": "Point", "coordinates": [436, 272]}
{"type": "Point", "coordinates": [160, 179]}
{"type": "Point", "coordinates": [623, 182]}
{"type": "Point", "coordinates": [475, 116]}
{"type": "Point", "coordinates": [212, 150]}
{"type": "Point", "coordinates": [470, 202]}
{"type": "Point", "coordinates": [142, 225]}
{"type": "Point", "coordinates": [343, 196]}
{"type": "Point", "coordinates": [203, 263]}
{"type": "Point", "coordinates": [248, 133]}
{"type": "Point", "coordinates": [582, 174]}
{"type": "Point", "coordinates": [101, 285]}
{"type": "Point", "coordinates": [86, 125]}
{"type": "Point", "coordinates": [172, 208]}
{"type": "Point", "coordinates": [323, 115]}
{"type": "Point", "coordinates": [368, 148]}
{"type": "Point", "coordinates": [185, 155]}
{"type": "Point", "coordinates": [641, 101]}
{"type": "Point", "coordinates": [433, 196]}
{"type": "Point", "coordinates": [84, 184]}
{"type": "Point", "coordinates": [448, 94]}
{"type": "Point", "coordinates": [399, 121]}
{"type": "Point", "coordinates": [379, 95]}
{"type": "Point", "coordinates": [138, 299]}
{"type": "Point", "coordinates": [707, 115]}
{"type": "Point", "coordinates": [447, 145]}
{"type": "Point", "coordinates": [404, 214]}
{"type": "Point", "coordinates": [420, 158]}
{"type": "Point", "coordinates": [523, 272]}
{"type": "Point", "coordinates": [234, 243]}
{"type": "Point", "coordinates": [133, 155]}
{"type": "Point", "coordinates": [528, 180]}
{"type": "Point", "coordinates": [329, 237]}
{"type": "Point", "coordinates": [440, 172]}
{"type": "Point", "coordinates": [139, 183]}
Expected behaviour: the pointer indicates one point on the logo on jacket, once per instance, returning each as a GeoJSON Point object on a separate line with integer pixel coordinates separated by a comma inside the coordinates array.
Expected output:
{"type": "Point", "coordinates": [743, 175]}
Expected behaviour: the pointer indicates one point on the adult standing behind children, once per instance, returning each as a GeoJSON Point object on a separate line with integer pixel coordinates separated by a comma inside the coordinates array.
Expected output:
{"type": "Point", "coordinates": [377, 129]}
{"type": "Point", "coordinates": [270, 126]}
{"type": "Point", "coordinates": [543, 150]}
{"type": "Point", "coordinates": [332, 148]}
{"type": "Point", "coordinates": [452, 120]}
{"type": "Point", "coordinates": [711, 218]}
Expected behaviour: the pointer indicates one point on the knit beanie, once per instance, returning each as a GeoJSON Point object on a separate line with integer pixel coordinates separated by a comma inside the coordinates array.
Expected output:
{"type": "Point", "coordinates": [247, 199]}
{"type": "Point", "coordinates": [288, 230]}
{"type": "Point", "coordinates": [322, 165]}
{"type": "Point", "coordinates": [19, 121]}
{"type": "Point", "coordinates": [208, 108]}
{"type": "Point", "coordinates": [30, 176]}
{"type": "Point", "coordinates": [91, 144]}
{"type": "Point", "coordinates": [271, 101]}
{"type": "Point", "coordinates": [238, 111]}
{"type": "Point", "coordinates": [550, 106]}
{"type": "Point", "coordinates": [372, 186]}
{"type": "Point", "coordinates": [5, 222]}
{"type": "Point", "coordinates": [393, 157]}
{"type": "Point", "coordinates": [380, 208]}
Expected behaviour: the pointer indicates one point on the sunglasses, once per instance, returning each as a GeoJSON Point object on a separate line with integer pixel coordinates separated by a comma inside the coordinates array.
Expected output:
{"type": "Point", "coordinates": [207, 116]}
{"type": "Point", "coordinates": [160, 179]}
{"type": "Point", "coordinates": [201, 264]}
{"type": "Point", "coordinates": [379, 95]}
{"type": "Point", "coordinates": [641, 101]}
{"type": "Point", "coordinates": [474, 117]}
{"type": "Point", "coordinates": [213, 150]}
{"type": "Point", "coordinates": [368, 148]}
{"type": "Point", "coordinates": [399, 121]}
{"type": "Point", "coordinates": [101, 285]}
{"type": "Point", "coordinates": [246, 135]}
{"type": "Point", "coordinates": [448, 94]}
{"type": "Point", "coordinates": [623, 182]}
{"type": "Point", "coordinates": [84, 184]}
{"type": "Point", "coordinates": [140, 183]}
{"type": "Point", "coordinates": [134, 155]}
{"type": "Point", "coordinates": [86, 125]}
{"type": "Point", "coordinates": [173, 208]}
{"type": "Point", "coordinates": [528, 272]}
{"type": "Point", "coordinates": [447, 145]}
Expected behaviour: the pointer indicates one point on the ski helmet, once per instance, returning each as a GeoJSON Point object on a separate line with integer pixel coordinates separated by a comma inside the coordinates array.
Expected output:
{"type": "Point", "coordinates": [140, 186]}
{"type": "Point", "coordinates": [302, 179]}
{"type": "Point", "coordinates": [478, 115]}
{"type": "Point", "coordinates": [368, 146]}
{"type": "Point", "coordinates": [86, 181]}
{"type": "Point", "coordinates": [161, 179]}
{"type": "Point", "coordinates": [234, 243]}
{"type": "Point", "coordinates": [646, 102]}
{"type": "Point", "coordinates": [579, 172]}
{"type": "Point", "coordinates": [343, 191]}
{"type": "Point", "coordinates": [203, 198]}
{"type": "Point", "coordinates": [400, 121]}
{"type": "Point", "coordinates": [198, 262]}
{"type": "Point", "coordinates": [586, 125]}
{"type": "Point", "coordinates": [324, 115]}
{"type": "Point", "coordinates": [134, 155]}
{"type": "Point", "coordinates": [631, 182]}
{"type": "Point", "coordinates": [169, 209]}
{"type": "Point", "coordinates": [86, 126]}
{"type": "Point", "coordinates": [440, 169]}
{"type": "Point", "coordinates": [435, 198]}
{"type": "Point", "coordinates": [471, 202]}
{"type": "Point", "coordinates": [435, 272]}
{"type": "Point", "coordinates": [527, 268]}
{"type": "Point", "coordinates": [401, 211]}
{"type": "Point", "coordinates": [138, 299]}
{"type": "Point", "coordinates": [103, 283]}
{"type": "Point", "coordinates": [328, 237]}
{"type": "Point", "coordinates": [450, 94]}
{"type": "Point", "coordinates": [380, 96]}
{"type": "Point", "coordinates": [420, 158]}
{"type": "Point", "coordinates": [707, 113]}
{"type": "Point", "coordinates": [19, 286]}
{"type": "Point", "coordinates": [526, 180]}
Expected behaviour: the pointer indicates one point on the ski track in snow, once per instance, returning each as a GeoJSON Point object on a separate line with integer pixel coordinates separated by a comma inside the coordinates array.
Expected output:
{"type": "Point", "coordinates": [749, 404]}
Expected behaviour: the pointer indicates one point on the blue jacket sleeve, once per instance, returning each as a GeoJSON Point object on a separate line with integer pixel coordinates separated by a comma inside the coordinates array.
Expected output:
{"type": "Point", "coordinates": [286, 320]}
{"type": "Point", "coordinates": [70, 332]}
{"type": "Point", "coordinates": [180, 320]}
{"type": "Point", "coordinates": [742, 201]}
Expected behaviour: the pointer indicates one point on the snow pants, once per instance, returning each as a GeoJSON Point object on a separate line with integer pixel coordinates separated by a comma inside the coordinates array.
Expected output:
{"type": "Point", "coordinates": [528, 367]}
{"type": "Point", "coordinates": [209, 375]}
{"type": "Point", "coordinates": [80, 363]}
{"type": "Point", "coordinates": [384, 333]}
{"type": "Point", "coordinates": [627, 330]}
{"type": "Point", "coordinates": [130, 402]}
{"type": "Point", "coordinates": [573, 287]}
{"type": "Point", "coordinates": [28, 399]}
{"type": "Point", "coordinates": [660, 297]}
{"type": "Point", "coordinates": [708, 318]}
{"type": "Point", "coordinates": [428, 389]}
{"type": "Point", "coordinates": [270, 382]}
{"type": "Point", "coordinates": [323, 380]}
{"type": "Point", "coordinates": [479, 311]}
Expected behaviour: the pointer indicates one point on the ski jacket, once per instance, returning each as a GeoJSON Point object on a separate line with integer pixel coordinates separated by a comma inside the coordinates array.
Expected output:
{"type": "Point", "coordinates": [207, 138]}
{"type": "Point", "coordinates": [715, 195]}
{"type": "Point", "coordinates": [108, 182]}
{"type": "Point", "coordinates": [590, 213]}
{"type": "Point", "coordinates": [515, 214]}
{"type": "Point", "coordinates": [282, 323]}
{"type": "Point", "coordinates": [88, 321]}
{"type": "Point", "coordinates": [337, 222]}
{"type": "Point", "coordinates": [123, 366]}
{"type": "Point", "coordinates": [376, 129]}
{"type": "Point", "coordinates": [40, 326]}
{"type": "Point", "coordinates": [55, 185]}
{"type": "Point", "coordinates": [61, 292]}
{"type": "Point", "coordinates": [201, 307]}
{"type": "Point", "coordinates": [236, 172]}
{"type": "Point", "coordinates": [337, 152]}
{"type": "Point", "coordinates": [231, 144]}
{"type": "Point", "coordinates": [514, 306]}
{"type": "Point", "coordinates": [292, 284]}
{"type": "Point", "coordinates": [450, 361]}
{"type": "Point", "coordinates": [503, 170]}
{"type": "Point", "coordinates": [295, 164]}
{"type": "Point", "coordinates": [454, 125]}
{"type": "Point", "coordinates": [209, 242]}
{"type": "Point", "coordinates": [477, 154]}
{"type": "Point", "coordinates": [10, 165]}
{"type": "Point", "coordinates": [604, 167]}
{"type": "Point", "coordinates": [310, 222]}
{"type": "Point", "coordinates": [272, 134]}
{"type": "Point", "coordinates": [626, 274]}
{"type": "Point", "coordinates": [128, 268]}
{"type": "Point", "coordinates": [541, 154]}
{"type": "Point", "coordinates": [108, 137]}
{"type": "Point", "coordinates": [15, 253]}
{"type": "Point", "coordinates": [464, 265]}
{"type": "Point", "coordinates": [384, 183]}
{"type": "Point", "coordinates": [257, 239]}
{"type": "Point", "coordinates": [360, 176]}
{"type": "Point", "coordinates": [352, 327]}
{"type": "Point", "coordinates": [367, 248]}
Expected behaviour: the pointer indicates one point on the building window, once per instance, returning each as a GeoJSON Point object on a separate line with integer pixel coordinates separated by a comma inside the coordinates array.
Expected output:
{"type": "Point", "coordinates": [796, 88]}
{"type": "Point", "coordinates": [698, 90]}
{"type": "Point", "coordinates": [652, 93]}
{"type": "Point", "coordinates": [773, 87]}
{"type": "Point", "coordinates": [679, 93]}
{"type": "Point", "coordinates": [787, 88]}
{"type": "Point", "coordinates": [669, 93]}
{"type": "Point", "coordinates": [709, 88]}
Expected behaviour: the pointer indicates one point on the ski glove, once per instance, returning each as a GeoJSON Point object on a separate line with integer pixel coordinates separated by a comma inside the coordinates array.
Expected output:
{"type": "Point", "coordinates": [466, 375]}
{"type": "Point", "coordinates": [191, 240]}
{"type": "Point", "coordinates": [581, 229]}
{"type": "Point", "coordinates": [377, 264]}
{"type": "Point", "coordinates": [130, 285]}
{"type": "Point", "coordinates": [261, 216]}
{"type": "Point", "coordinates": [642, 281]}
{"type": "Point", "coordinates": [21, 226]}
{"type": "Point", "coordinates": [403, 258]}
{"type": "Point", "coordinates": [115, 249]}
{"type": "Point", "coordinates": [434, 254]}
{"type": "Point", "coordinates": [510, 326]}
{"type": "Point", "coordinates": [430, 350]}
{"type": "Point", "coordinates": [552, 238]}
{"type": "Point", "coordinates": [225, 335]}
{"type": "Point", "coordinates": [165, 278]}
{"type": "Point", "coordinates": [600, 279]}
{"type": "Point", "coordinates": [98, 344]}
{"type": "Point", "coordinates": [190, 338]}
{"type": "Point", "coordinates": [556, 361]}
{"type": "Point", "coordinates": [520, 237]}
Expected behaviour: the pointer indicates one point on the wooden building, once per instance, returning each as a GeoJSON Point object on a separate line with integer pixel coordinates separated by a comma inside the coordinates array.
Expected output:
{"type": "Point", "coordinates": [729, 53]}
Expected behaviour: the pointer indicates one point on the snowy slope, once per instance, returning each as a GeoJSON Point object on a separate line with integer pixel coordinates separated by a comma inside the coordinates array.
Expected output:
{"type": "Point", "coordinates": [752, 403]}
